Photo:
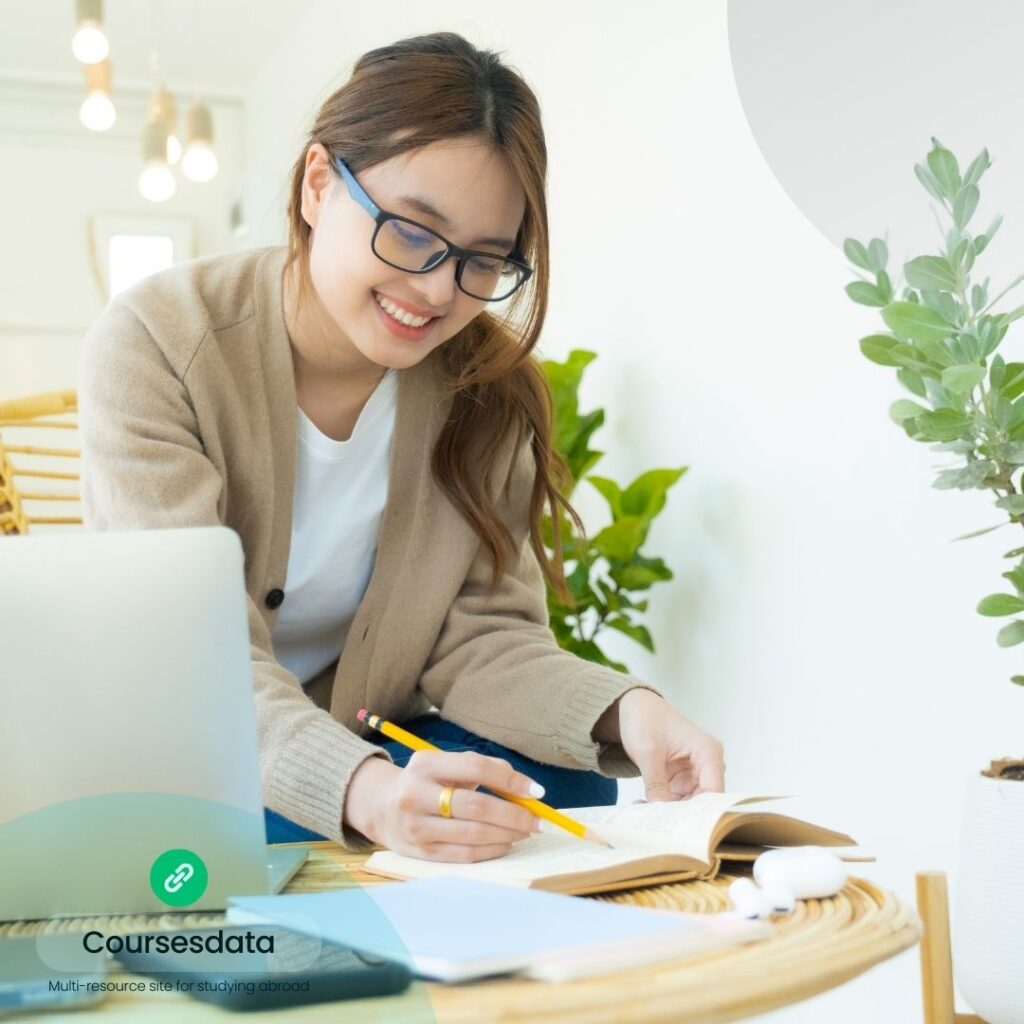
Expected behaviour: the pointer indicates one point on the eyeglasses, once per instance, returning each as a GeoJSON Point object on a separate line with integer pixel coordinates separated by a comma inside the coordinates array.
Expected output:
{"type": "Point", "coordinates": [413, 247]}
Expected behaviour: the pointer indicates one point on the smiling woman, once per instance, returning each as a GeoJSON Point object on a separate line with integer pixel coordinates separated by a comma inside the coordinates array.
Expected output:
{"type": "Point", "coordinates": [381, 442]}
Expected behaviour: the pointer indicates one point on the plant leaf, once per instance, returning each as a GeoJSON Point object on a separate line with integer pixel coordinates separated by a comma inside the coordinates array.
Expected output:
{"type": "Point", "coordinates": [916, 322]}
{"type": "Point", "coordinates": [1011, 452]}
{"type": "Point", "coordinates": [639, 633]}
{"type": "Point", "coordinates": [611, 492]}
{"type": "Point", "coordinates": [928, 180]}
{"type": "Point", "coordinates": [1012, 503]}
{"type": "Point", "coordinates": [932, 272]}
{"type": "Point", "coordinates": [978, 533]}
{"type": "Point", "coordinates": [966, 477]}
{"type": "Point", "coordinates": [856, 253]}
{"type": "Point", "coordinates": [888, 351]}
{"type": "Point", "coordinates": [1013, 381]}
{"type": "Point", "coordinates": [619, 542]}
{"type": "Point", "coordinates": [981, 241]}
{"type": "Point", "coordinates": [645, 496]}
{"type": "Point", "coordinates": [940, 425]}
{"type": "Point", "coordinates": [866, 293]}
{"type": "Point", "coordinates": [912, 382]}
{"type": "Point", "coordinates": [641, 573]}
{"type": "Point", "coordinates": [564, 381]}
{"type": "Point", "coordinates": [878, 254]}
{"type": "Point", "coordinates": [878, 348]}
{"type": "Point", "coordinates": [962, 379]}
{"type": "Point", "coordinates": [964, 205]}
{"type": "Point", "coordinates": [904, 409]}
{"type": "Point", "coordinates": [1000, 604]}
{"type": "Point", "coordinates": [1012, 634]}
{"type": "Point", "coordinates": [978, 166]}
{"type": "Point", "coordinates": [943, 166]}
{"type": "Point", "coordinates": [589, 651]}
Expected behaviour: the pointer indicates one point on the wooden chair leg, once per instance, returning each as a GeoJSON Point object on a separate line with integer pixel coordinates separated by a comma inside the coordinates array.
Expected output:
{"type": "Point", "coordinates": [936, 955]}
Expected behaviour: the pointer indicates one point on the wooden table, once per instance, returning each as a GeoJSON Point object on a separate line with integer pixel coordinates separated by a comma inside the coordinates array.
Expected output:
{"type": "Point", "coordinates": [817, 947]}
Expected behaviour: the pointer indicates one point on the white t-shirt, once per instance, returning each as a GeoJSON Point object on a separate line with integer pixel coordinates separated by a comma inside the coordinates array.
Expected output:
{"type": "Point", "coordinates": [340, 491]}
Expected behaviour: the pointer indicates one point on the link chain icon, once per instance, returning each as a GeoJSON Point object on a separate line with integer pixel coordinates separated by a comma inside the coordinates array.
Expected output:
{"type": "Point", "coordinates": [178, 877]}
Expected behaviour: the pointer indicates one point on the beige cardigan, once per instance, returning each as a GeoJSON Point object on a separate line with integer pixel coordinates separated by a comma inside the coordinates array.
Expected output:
{"type": "Point", "coordinates": [187, 412]}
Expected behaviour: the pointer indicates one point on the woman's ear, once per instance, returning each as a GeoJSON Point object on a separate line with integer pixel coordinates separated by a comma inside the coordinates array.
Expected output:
{"type": "Point", "coordinates": [317, 179]}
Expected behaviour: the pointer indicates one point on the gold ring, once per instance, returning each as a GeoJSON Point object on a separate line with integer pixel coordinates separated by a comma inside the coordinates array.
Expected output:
{"type": "Point", "coordinates": [444, 801]}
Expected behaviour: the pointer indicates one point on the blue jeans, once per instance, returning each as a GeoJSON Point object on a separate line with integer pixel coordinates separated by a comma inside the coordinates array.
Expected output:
{"type": "Point", "coordinates": [564, 787]}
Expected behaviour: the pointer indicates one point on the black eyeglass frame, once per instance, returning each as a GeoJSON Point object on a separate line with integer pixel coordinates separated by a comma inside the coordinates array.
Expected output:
{"type": "Point", "coordinates": [381, 217]}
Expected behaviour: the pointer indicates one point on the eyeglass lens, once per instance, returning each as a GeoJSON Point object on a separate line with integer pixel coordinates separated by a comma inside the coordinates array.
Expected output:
{"type": "Point", "coordinates": [410, 247]}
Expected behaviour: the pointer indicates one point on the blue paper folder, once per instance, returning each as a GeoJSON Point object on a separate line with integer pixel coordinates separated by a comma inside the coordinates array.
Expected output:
{"type": "Point", "coordinates": [454, 929]}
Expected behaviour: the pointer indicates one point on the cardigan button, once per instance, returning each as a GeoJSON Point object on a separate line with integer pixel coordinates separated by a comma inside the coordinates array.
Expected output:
{"type": "Point", "coordinates": [275, 598]}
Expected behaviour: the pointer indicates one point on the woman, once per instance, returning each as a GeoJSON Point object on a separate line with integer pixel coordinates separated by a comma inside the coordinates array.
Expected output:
{"type": "Point", "coordinates": [379, 437]}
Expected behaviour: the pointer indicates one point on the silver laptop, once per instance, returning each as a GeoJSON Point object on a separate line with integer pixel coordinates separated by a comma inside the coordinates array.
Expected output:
{"type": "Point", "coordinates": [129, 774]}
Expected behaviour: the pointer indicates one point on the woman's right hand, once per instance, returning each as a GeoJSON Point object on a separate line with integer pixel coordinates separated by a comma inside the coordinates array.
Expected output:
{"type": "Point", "coordinates": [400, 807]}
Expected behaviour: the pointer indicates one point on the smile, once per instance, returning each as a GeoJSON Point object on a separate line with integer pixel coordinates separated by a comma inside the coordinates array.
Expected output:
{"type": "Point", "coordinates": [403, 316]}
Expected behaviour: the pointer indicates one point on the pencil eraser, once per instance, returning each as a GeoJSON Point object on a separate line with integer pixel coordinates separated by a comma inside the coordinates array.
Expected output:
{"type": "Point", "coordinates": [361, 714]}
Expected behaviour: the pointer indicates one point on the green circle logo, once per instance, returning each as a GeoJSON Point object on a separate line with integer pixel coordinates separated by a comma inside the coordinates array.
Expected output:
{"type": "Point", "coordinates": [178, 877]}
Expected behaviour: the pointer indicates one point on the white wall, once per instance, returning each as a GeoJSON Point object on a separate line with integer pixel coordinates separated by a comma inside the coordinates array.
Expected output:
{"type": "Point", "coordinates": [820, 624]}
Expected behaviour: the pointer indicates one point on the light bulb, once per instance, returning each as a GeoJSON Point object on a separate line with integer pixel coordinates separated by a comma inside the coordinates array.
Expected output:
{"type": "Point", "coordinates": [89, 43]}
{"type": "Point", "coordinates": [156, 181]}
{"type": "Point", "coordinates": [97, 111]}
{"type": "Point", "coordinates": [199, 162]}
{"type": "Point", "coordinates": [173, 149]}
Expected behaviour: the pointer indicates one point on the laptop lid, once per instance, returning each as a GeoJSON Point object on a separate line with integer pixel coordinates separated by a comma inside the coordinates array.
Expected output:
{"type": "Point", "coordinates": [128, 748]}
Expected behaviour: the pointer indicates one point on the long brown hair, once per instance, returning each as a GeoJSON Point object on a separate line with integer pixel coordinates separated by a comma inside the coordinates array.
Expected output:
{"type": "Point", "coordinates": [400, 97]}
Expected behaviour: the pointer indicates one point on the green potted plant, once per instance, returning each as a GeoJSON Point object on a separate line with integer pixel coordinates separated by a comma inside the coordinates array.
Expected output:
{"type": "Point", "coordinates": [941, 335]}
{"type": "Point", "coordinates": [605, 574]}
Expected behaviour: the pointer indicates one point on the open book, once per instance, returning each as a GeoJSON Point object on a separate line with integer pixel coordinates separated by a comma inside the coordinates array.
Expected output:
{"type": "Point", "coordinates": [666, 841]}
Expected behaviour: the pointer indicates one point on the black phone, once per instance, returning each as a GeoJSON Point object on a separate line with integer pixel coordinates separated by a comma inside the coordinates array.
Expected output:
{"type": "Point", "coordinates": [49, 972]}
{"type": "Point", "coordinates": [256, 967]}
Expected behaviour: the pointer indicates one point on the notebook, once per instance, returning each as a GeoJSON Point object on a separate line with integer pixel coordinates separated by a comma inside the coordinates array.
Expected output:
{"type": "Point", "coordinates": [454, 929]}
{"type": "Point", "coordinates": [666, 841]}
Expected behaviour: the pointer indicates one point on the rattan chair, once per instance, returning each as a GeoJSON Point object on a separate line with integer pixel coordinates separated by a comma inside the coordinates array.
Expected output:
{"type": "Point", "coordinates": [47, 411]}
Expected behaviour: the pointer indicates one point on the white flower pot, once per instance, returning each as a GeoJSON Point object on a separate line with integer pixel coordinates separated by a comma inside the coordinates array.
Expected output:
{"type": "Point", "coordinates": [988, 923]}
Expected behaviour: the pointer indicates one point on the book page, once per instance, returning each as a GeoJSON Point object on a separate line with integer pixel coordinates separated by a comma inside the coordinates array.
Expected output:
{"type": "Point", "coordinates": [635, 830]}
{"type": "Point", "coordinates": [536, 857]}
{"type": "Point", "coordinates": [665, 826]}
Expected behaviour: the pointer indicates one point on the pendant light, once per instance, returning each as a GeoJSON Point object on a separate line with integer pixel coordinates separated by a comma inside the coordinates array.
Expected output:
{"type": "Point", "coordinates": [199, 162]}
{"type": "Point", "coordinates": [97, 109]}
{"type": "Point", "coordinates": [163, 108]}
{"type": "Point", "coordinates": [156, 182]}
{"type": "Point", "coordinates": [89, 43]}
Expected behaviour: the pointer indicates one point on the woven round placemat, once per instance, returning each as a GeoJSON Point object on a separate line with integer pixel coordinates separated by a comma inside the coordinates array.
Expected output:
{"type": "Point", "coordinates": [821, 944]}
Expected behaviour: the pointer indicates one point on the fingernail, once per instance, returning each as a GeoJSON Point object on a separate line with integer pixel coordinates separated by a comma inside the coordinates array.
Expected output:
{"type": "Point", "coordinates": [536, 790]}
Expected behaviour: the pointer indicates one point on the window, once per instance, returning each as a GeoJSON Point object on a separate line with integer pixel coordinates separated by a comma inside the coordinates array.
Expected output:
{"type": "Point", "coordinates": [130, 248]}
{"type": "Point", "coordinates": [130, 257]}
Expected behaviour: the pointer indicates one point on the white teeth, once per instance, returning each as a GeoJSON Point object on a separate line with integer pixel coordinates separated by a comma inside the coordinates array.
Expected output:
{"type": "Point", "coordinates": [403, 316]}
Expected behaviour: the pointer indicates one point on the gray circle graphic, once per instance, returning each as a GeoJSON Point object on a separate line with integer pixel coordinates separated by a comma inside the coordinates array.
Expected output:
{"type": "Point", "coordinates": [844, 99]}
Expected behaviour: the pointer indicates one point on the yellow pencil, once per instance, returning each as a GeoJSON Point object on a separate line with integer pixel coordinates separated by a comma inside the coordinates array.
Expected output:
{"type": "Point", "coordinates": [407, 739]}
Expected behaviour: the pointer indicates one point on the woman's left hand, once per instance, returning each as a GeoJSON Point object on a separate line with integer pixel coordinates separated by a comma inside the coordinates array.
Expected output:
{"type": "Point", "coordinates": [676, 759]}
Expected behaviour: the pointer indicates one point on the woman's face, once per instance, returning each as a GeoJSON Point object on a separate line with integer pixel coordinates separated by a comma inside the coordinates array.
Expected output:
{"type": "Point", "coordinates": [468, 186]}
